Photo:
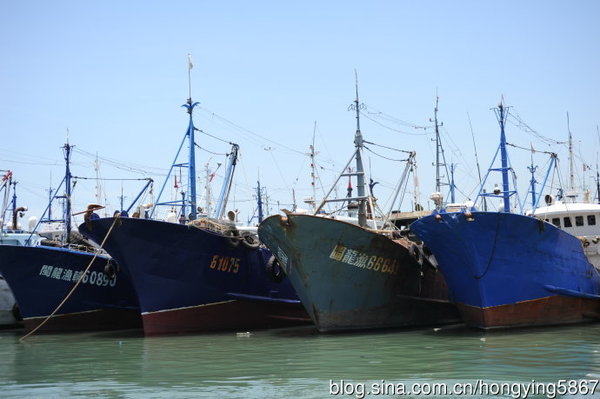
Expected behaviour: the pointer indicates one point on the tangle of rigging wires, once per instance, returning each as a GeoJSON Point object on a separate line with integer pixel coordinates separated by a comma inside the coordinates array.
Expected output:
{"type": "Point", "coordinates": [384, 157]}
{"type": "Point", "coordinates": [389, 148]}
{"type": "Point", "coordinates": [366, 115]}
{"type": "Point", "coordinates": [243, 129]}
{"type": "Point", "coordinates": [393, 119]}
{"type": "Point", "coordinates": [516, 120]}
{"type": "Point", "coordinates": [110, 179]}
{"type": "Point", "coordinates": [134, 168]}
{"type": "Point", "coordinates": [211, 135]}
{"type": "Point", "coordinates": [209, 151]}
{"type": "Point", "coordinates": [530, 149]}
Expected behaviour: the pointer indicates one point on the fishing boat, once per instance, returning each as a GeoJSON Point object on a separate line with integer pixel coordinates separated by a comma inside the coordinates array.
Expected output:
{"type": "Point", "coordinates": [67, 286]}
{"type": "Point", "coordinates": [194, 272]}
{"type": "Point", "coordinates": [511, 269]}
{"type": "Point", "coordinates": [355, 271]}
{"type": "Point", "coordinates": [9, 234]}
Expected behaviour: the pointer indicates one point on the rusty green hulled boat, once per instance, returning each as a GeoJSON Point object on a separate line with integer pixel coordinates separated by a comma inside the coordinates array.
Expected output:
{"type": "Point", "coordinates": [351, 278]}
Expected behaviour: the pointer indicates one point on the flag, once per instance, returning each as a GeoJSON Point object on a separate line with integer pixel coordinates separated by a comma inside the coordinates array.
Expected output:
{"type": "Point", "coordinates": [190, 63]}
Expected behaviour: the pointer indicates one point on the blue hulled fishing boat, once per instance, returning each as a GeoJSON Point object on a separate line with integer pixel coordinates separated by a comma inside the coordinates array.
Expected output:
{"type": "Point", "coordinates": [194, 273]}
{"type": "Point", "coordinates": [358, 272]}
{"type": "Point", "coordinates": [508, 269]}
{"type": "Point", "coordinates": [194, 278]}
{"type": "Point", "coordinates": [78, 286]}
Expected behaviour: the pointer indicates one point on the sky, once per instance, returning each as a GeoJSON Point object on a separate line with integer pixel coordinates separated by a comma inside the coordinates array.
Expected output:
{"type": "Point", "coordinates": [110, 77]}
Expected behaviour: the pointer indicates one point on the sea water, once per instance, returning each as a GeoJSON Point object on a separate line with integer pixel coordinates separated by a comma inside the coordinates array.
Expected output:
{"type": "Point", "coordinates": [301, 363]}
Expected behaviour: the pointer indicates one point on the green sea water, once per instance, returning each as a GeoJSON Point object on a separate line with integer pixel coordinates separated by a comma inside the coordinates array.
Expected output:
{"type": "Point", "coordinates": [295, 363]}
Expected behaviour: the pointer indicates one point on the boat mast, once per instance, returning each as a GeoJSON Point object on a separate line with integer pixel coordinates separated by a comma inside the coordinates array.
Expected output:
{"type": "Point", "coordinates": [532, 169]}
{"type": "Point", "coordinates": [477, 160]}
{"type": "Point", "coordinates": [14, 202]}
{"type": "Point", "coordinates": [226, 189]}
{"type": "Point", "coordinates": [571, 193]}
{"type": "Point", "coordinates": [259, 201]}
{"type": "Point", "coordinates": [417, 194]}
{"type": "Point", "coordinates": [452, 186]}
{"type": "Point", "coordinates": [192, 158]}
{"type": "Point", "coordinates": [360, 173]}
{"type": "Point", "coordinates": [191, 164]}
{"type": "Point", "coordinates": [67, 209]}
{"type": "Point", "coordinates": [597, 172]}
{"type": "Point", "coordinates": [5, 186]}
{"type": "Point", "coordinates": [346, 172]}
{"type": "Point", "coordinates": [597, 184]}
{"type": "Point", "coordinates": [207, 192]}
{"type": "Point", "coordinates": [192, 143]}
{"type": "Point", "coordinates": [312, 170]}
{"type": "Point", "coordinates": [438, 148]}
{"type": "Point", "coordinates": [501, 114]}
{"type": "Point", "coordinates": [440, 157]}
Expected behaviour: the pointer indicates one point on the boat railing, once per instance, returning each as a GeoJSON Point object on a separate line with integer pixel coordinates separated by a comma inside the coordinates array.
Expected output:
{"type": "Point", "coordinates": [217, 226]}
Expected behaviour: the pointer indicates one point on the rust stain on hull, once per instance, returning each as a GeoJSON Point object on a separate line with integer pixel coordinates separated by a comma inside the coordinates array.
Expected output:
{"type": "Point", "coordinates": [544, 311]}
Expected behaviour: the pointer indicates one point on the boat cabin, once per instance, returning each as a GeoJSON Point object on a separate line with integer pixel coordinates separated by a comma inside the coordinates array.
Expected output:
{"type": "Point", "coordinates": [578, 219]}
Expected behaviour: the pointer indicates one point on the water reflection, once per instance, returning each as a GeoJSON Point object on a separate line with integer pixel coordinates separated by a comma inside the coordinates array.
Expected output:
{"type": "Point", "coordinates": [285, 363]}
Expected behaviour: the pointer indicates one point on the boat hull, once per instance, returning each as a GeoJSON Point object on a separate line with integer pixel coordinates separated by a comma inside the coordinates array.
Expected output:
{"type": "Point", "coordinates": [9, 316]}
{"type": "Point", "coordinates": [41, 277]}
{"type": "Point", "coordinates": [508, 270]}
{"type": "Point", "coordinates": [193, 280]}
{"type": "Point", "coordinates": [349, 278]}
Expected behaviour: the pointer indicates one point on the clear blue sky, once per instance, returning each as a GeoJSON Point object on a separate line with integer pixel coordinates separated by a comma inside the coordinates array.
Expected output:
{"type": "Point", "coordinates": [115, 74]}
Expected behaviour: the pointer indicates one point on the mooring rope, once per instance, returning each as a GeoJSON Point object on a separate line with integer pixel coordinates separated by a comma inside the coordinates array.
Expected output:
{"type": "Point", "coordinates": [76, 284]}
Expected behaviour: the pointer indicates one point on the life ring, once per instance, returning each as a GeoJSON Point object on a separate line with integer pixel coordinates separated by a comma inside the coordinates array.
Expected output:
{"type": "Point", "coordinates": [250, 241]}
{"type": "Point", "coordinates": [274, 269]}
{"type": "Point", "coordinates": [110, 269]}
{"type": "Point", "coordinates": [233, 237]}
{"type": "Point", "coordinates": [416, 253]}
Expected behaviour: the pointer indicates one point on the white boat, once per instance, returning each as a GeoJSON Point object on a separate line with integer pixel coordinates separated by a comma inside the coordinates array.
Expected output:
{"type": "Point", "coordinates": [11, 234]}
{"type": "Point", "coordinates": [580, 219]}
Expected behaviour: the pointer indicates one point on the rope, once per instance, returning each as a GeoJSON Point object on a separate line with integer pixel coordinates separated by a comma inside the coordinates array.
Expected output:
{"type": "Point", "coordinates": [75, 286]}
{"type": "Point", "coordinates": [487, 268]}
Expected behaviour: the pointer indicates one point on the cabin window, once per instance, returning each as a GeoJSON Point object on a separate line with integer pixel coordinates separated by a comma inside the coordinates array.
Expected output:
{"type": "Point", "coordinates": [556, 222]}
{"type": "Point", "coordinates": [567, 221]}
{"type": "Point", "coordinates": [578, 220]}
{"type": "Point", "coordinates": [591, 220]}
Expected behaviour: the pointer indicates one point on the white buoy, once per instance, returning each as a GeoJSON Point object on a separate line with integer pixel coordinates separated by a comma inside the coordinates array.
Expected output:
{"type": "Point", "coordinates": [172, 217]}
{"type": "Point", "coordinates": [32, 222]}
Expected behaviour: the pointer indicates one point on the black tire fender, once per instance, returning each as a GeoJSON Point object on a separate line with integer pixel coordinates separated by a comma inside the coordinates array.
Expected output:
{"type": "Point", "coordinates": [233, 237]}
{"type": "Point", "coordinates": [250, 241]}
{"type": "Point", "coordinates": [274, 269]}
{"type": "Point", "coordinates": [416, 253]}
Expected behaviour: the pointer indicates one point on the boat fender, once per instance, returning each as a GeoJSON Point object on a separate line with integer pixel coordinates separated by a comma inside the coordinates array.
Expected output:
{"type": "Point", "coordinates": [250, 241]}
{"type": "Point", "coordinates": [16, 312]}
{"type": "Point", "coordinates": [274, 269]}
{"type": "Point", "coordinates": [584, 242]}
{"type": "Point", "coordinates": [233, 237]}
{"type": "Point", "coordinates": [111, 269]}
{"type": "Point", "coordinates": [416, 253]}
{"type": "Point", "coordinates": [541, 225]}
